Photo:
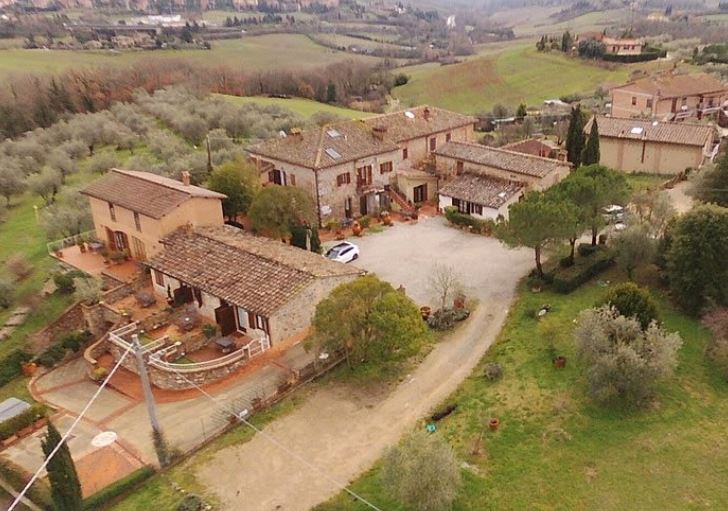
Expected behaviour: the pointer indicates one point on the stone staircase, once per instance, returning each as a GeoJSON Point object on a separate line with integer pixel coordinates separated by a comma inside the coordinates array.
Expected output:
{"type": "Point", "coordinates": [402, 205]}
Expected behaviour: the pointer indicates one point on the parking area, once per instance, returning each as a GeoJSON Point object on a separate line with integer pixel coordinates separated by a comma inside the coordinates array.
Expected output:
{"type": "Point", "coordinates": [406, 253]}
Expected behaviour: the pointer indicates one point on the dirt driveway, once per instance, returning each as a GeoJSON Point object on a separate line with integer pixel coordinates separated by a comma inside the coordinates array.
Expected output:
{"type": "Point", "coordinates": [344, 434]}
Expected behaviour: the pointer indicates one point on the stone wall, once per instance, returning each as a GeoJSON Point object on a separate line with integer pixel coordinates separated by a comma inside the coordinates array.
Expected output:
{"type": "Point", "coordinates": [71, 319]}
{"type": "Point", "coordinates": [170, 380]}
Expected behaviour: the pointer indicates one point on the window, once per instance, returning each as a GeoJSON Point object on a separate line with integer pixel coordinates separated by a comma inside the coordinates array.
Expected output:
{"type": "Point", "coordinates": [649, 103]}
{"type": "Point", "coordinates": [448, 137]}
{"type": "Point", "coordinates": [684, 101]}
{"type": "Point", "coordinates": [158, 278]}
{"type": "Point", "coordinates": [291, 180]}
{"type": "Point", "coordinates": [137, 222]}
{"type": "Point", "coordinates": [364, 175]}
{"type": "Point", "coordinates": [456, 203]}
{"type": "Point", "coordinates": [433, 143]}
{"type": "Point", "coordinates": [385, 167]}
{"type": "Point", "coordinates": [343, 179]}
{"type": "Point", "coordinates": [404, 153]}
{"type": "Point", "coordinates": [112, 213]}
{"type": "Point", "coordinates": [477, 209]}
{"type": "Point", "coordinates": [459, 168]}
{"type": "Point", "coordinates": [634, 101]}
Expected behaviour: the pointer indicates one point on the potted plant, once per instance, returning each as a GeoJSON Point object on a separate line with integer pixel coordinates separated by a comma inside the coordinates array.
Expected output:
{"type": "Point", "coordinates": [494, 424]}
{"type": "Point", "coordinates": [386, 218]}
{"type": "Point", "coordinates": [117, 256]}
{"type": "Point", "coordinates": [209, 330]}
{"type": "Point", "coordinates": [29, 368]}
{"type": "Point", "coordinates": [356, 228]}
{"type": "Point", "coordinates": [425, 311]}
{"type": "Point", "coordinates": [559, 362]}
{"type": "Point", "coordinates": [459, 301]}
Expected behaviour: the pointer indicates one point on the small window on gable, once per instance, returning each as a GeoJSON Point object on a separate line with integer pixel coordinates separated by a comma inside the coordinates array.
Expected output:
{"type": "Point", "coordinates": [112, 212]}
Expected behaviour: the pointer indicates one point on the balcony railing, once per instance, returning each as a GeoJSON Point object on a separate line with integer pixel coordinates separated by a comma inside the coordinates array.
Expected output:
{"type": "Point", "coordinates": [71, 241]}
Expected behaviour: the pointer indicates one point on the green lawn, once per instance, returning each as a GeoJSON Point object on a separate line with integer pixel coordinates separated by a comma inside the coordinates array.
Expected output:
{"type": "Point", "coordinates": [556, 450]}
{"type": "Point", "coordinates": [259, 53]}
{"type": "Point", "coordinates": [517, 74]}
{"type": "Point", "coordinates": [301, 107]}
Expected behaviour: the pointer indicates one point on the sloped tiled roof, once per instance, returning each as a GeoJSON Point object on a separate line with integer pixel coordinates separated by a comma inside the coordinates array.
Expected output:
{"type": "Point", "coordinates": [681, 133]}
{"type": "Point", "coordinates": [351, 140]}
{"type": "Point", "coordinates": [511, 161]}
{"type": "Point", "coordinates": [146, 193]}
{"type": "Point", "coordinates": [258, 274]}
{"type": "Point", "coordinates": [486, 191]}
{"type": "Point", "coordinates": [670, 86]}
{"type": "Point", "coordinates": [325, 146]}
{"type": "Point", "coordinates": [534, 146]}
{"type": "Point", "coordinates": [418, 122]}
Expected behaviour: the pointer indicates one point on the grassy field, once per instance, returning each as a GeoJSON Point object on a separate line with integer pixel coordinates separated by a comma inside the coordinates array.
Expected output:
{"type": "Point", "coordinates": [260, 53]}
{"type": "Point", "coordinates": [345, 41]}
{"type": "Point", "coordinates": [558, 451]}
{"type": "Point", "coordinates": [302, 107]}
{"type": "Point", "coordinates": [518, 74]}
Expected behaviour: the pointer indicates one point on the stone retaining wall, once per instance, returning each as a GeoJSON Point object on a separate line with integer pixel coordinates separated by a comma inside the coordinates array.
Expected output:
{"type": "Point", "coordinates": [71, 319]}
{"type": "Point", "coordinates": [170, 380]}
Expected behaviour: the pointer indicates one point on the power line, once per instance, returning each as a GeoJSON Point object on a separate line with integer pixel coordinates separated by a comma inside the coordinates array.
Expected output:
{"type": "Point", "coordinates": [280, 445]}
{"type": "Point", "coordinates": [68, 433]}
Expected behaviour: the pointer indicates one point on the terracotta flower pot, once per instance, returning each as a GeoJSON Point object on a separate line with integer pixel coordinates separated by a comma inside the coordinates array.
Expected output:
{"type": "Point", "coordinates": [356, 229]}
{"type": "Point", "coordinates": [560, 362]}
{"type": "Point", "coordinates": [29, 369]}
{"type": "Point", "coordinates": [459, 302]}
{"type": "Point", "coordinates": [425, 311]}
{"type": "Point", "coordinates": [494, 424]}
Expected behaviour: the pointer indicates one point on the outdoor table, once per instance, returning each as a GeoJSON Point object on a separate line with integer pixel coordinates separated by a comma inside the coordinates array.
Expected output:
{"type": "Point", "coordinates": [225, 344]}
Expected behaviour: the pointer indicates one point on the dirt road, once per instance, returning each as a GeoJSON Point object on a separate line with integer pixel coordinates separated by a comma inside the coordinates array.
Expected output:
{"type": "Point", "coordinates": [343, 434]}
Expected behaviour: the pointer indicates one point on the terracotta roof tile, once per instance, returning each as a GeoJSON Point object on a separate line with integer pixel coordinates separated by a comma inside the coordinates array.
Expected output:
{"type": "Point", "coordinates": [149, 194]}
{"type": "Point", "coordinates": [533, 146]}
{"type": "Point", "coordinates": [681, 133]}
{"type": "Point", "coordinates": [350, 140]}
{"type": "Point", "coordinates": [486, 191]}
{"type": "Point", "coordinates": [258, 274]}
{"type": "Point", "coordinates": [511, 161]}
{"type": "Point", "coordinates": [669, 86]}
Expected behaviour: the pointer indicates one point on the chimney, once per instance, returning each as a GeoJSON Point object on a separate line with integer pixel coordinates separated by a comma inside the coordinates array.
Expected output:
{"type": "Point", "coordinates": [185, 178]}
{"type": "Point", "coordinates": [426, 113]}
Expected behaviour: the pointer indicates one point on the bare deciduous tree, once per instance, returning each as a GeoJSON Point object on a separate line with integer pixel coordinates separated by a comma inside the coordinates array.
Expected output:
{"type": "Point", "coordinates": [444, 283]}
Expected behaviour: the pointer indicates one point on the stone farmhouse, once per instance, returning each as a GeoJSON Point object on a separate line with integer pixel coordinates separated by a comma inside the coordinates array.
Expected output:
{"type": "Point", "coordinates": [243, 282]}
{"type": "Point", "coordinates": [132, 211]}
{"type": "Point", "coordinates": [639, 145]}
{"type": "Point", "coordinates": [618, 46]}
{"type": "Point", "coordinates": [354, 168]}
{"type": "Point", "coordinates": [484, 181]}
{"type": "Point", "coordinates": [670, 97]}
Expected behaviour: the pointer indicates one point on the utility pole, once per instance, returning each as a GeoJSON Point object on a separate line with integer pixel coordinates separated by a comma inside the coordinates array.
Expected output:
{"type": "Point", "coordinates": [157, 436]}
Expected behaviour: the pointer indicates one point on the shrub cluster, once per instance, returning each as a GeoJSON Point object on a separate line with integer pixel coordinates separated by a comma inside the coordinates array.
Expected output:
{"type": "Point", "coordinates": [632, 301]}
{"type": "Point", "coordinates": [476, 225]}
{"type": "Point", "coordinates": [24, 419]}
{"type": "Point", "coordinates": [646, 55]}
{"type": "Point", "coordinates": [105, 496]}
{"type": "Point", "coordinates": [10, 366]}
{"type": "Point", "coordinates": [51, 356]}
{"type": "Point", "coordinates": [566, 280]}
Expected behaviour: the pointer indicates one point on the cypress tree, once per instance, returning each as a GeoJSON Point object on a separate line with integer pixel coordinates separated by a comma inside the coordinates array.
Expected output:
{"type": "Point", "coordinates": [590, 155]}
{"type": "Point", "coordinates": [575, 137]}
{"type": "Point", "coordinates": [65, 486]}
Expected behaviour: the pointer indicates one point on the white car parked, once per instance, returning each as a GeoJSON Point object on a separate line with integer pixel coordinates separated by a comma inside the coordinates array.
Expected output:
{"type": "Point", "coordinates": [343, 252]}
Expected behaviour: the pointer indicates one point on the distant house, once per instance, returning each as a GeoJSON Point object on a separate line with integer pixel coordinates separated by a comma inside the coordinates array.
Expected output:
{"type": "Point", "coordinates": [244, 282]}
{"type": "Point", "coordinates": [353, 168]}
{"type": "Point", "coordinates": [132, 211]}
{"type": "Point", "coordinates": [638, 145]}
{"type": "Point", "coordinates": [484, 181]}
{"type": "Point", "coordinates": [617, 46]}
{"type": "Point", "coordinates": [669, 97]}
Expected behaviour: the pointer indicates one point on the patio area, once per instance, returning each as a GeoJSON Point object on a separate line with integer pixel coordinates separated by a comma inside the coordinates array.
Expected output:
{"type": "Point", "coordinates": [92, 262]}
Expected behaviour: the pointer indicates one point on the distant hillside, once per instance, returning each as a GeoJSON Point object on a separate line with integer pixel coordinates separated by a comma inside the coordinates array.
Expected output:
{"type": "Point", "coordinates": [166, 5]}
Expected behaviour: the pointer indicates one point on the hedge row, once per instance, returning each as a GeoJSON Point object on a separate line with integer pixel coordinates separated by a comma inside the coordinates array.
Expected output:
{"type": "Point", "coordinates": [106, 496]}
{"type": "Point", "coordinates": [645, 56]}
{"type": "Point", "coordinates": [11, 365]}
{"type": "Point", "coordinates": [24, 419]}
{"type": "Point", "coordinates": [16, 477]}
{"type": "Point", "coordinates": [476, 225]}
{"type": "Point", "coordinates": [565, 280]}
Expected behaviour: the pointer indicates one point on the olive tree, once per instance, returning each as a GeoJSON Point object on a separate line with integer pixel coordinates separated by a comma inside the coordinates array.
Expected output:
{"type": "Point", "coordinates": [622, 361]}
{"type": "Point", "coordinates": [46, 184]}
{"type": "Point", "coordinates": [239, 181]}
{"type": "Point", "coordinates": [422, 473]}
{"type": "Point", "coordinates": [634, 247]}
{"type": "Point", "coordinates": [276, 209]}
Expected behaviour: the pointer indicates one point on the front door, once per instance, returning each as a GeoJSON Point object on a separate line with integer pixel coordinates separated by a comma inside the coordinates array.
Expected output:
{"type": "Point", "coordinates": [121, 242]}
{"type": "Point", "coordinates": [363, 205]}
{"type": "Point", "coordinates": [225, 317]}
{"type": "Point", "coordinates": [420, 193]}
{"type": "Point", "coordinates": [182, 295]}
